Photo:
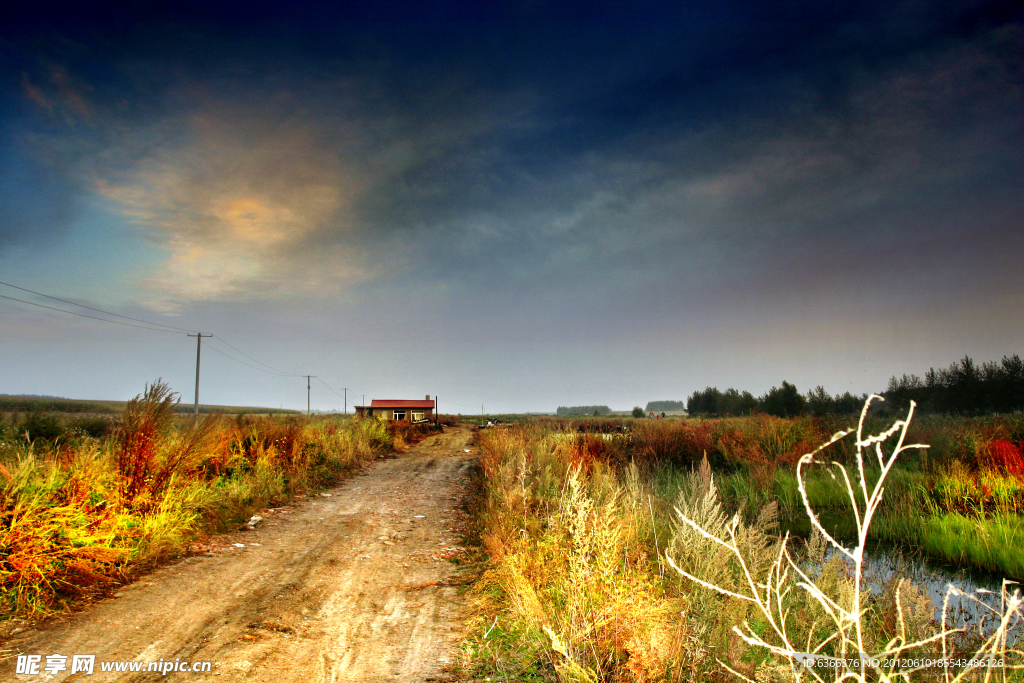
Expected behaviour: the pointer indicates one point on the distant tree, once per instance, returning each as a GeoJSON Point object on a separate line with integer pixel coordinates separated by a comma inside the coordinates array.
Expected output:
{"type": "Point", "coordinates": [784, 401]}
{"type": "Point", "coordinates": [704, 402]}
{"type": "Point", "coordinates": [732, 403]}
{"type": "Point", "coordinates": [714, 403]}
{"type": "Point", "coordinates": [665, 406]}
{"type": "Point", "coordinates": [907, 388]}
{"type": "Point", "coordinates": [1009, 388]}
{"type": "Point", "coordinates": [963, 388]}
{"type": "Point", "coordinates": [638, 411]}
{"type": "Point", "coordinates": [848, 404]}
{"type": "Point", "coordinates": [583, 410]}
{"type": "Point", "coordinates": [819, 403]}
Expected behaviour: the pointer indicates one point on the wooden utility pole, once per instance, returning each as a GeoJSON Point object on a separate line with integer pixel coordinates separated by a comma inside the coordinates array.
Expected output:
{"type": "Point", "coordinates": [199, 347]}
{"type": "Point", "coordinates": [307, 392]}
{"type": "Point", "coordinates": [346, 401]}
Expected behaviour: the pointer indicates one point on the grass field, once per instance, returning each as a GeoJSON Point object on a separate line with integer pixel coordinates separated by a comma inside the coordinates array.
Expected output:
{"type": "Point", "coordinates": [580, 519]}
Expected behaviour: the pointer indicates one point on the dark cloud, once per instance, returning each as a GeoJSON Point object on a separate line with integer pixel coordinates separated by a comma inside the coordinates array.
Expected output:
{"type": "Point", "coordinates": [557, 160]}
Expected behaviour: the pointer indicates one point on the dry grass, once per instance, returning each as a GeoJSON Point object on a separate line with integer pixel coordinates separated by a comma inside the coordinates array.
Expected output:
{"type": "Point", "coordinates": [593, 576]}
{"type": "Point", "coordinates": [79, 516]}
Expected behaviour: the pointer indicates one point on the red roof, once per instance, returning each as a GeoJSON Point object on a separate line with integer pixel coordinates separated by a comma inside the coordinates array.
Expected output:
{"type": "Point", "coordinates": [399, 403]}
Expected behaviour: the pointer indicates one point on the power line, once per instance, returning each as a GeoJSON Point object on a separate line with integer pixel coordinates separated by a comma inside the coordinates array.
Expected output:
{"type": "Point", "coordinates": [461, 405]}
{"type": "Point", "coordinates": [98, 310]}
{"type": "Point", "coordinates": [149, 325]}
{"type": "Point", "coordinates": [328, 388]}
{"type": "Point", "coordinates": [171, 329]}
{"type": "Point", "coordinates": [279, 374]}
{"type": "Point", "coordinates": [92, 317]}
{"type": "Point", "coordinates": [258, 361]}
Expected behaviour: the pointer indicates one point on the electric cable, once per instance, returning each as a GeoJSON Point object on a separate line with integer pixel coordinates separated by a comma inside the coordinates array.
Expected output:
{"type": "Point", "coordinates": [92, 317]}
{"type": "Point", "coordinates": [257, 361]}
{"type": "Point", "coordinates": [171, 329]}
{"type": "Point", "coordinates": [98, 310]}
{"type": "Point", "coordinates": [332, 390]}
{"type": "Point", "coordinates": [461, 405]}
{"type": "Point", "coordinates": [278, 374]}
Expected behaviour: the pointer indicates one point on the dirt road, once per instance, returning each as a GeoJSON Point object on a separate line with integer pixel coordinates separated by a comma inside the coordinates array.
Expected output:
{"type": "Point", "coordinates": [354, 584]}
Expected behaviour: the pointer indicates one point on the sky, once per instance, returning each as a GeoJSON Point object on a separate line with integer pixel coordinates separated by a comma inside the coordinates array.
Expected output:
{"type": "Point", "coordinates": [513, 205]}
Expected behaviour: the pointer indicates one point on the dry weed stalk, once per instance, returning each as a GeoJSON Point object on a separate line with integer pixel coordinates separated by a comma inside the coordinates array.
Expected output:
{"type": "Point", "coordinates": [772, 594]}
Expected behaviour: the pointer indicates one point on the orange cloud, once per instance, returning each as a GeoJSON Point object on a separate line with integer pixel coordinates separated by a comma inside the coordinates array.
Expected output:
{"type": "Point", "coordinates": [246, 208]}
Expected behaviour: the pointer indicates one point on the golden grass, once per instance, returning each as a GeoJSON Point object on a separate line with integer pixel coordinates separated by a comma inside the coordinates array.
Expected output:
{"type": "Point", "coordinates": [79, 517]}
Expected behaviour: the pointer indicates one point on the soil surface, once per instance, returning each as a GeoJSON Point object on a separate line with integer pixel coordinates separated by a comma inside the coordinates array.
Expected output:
{"type": "Point", "coordinates": [353, 584]}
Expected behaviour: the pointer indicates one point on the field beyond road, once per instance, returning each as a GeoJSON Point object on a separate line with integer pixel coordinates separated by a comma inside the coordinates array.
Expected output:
{"type": "Point", "coordinates": [352, 584]}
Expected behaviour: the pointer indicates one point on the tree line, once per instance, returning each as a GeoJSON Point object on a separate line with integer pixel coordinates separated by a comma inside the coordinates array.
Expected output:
{"type": "Point", "coordinates": [964, 388]}
{"type": "Point", "coordinates": [583, 410]}
{"type": "Point", "coordinates": [784, 401]}
{"type": "Point", "coordinates": [665, 406]}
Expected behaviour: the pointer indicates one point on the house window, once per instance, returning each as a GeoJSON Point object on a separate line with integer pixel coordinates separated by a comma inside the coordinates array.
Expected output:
{"type": "Point", "coordinates": [416, 417]}
{"type": "Point", "coordinates": [399, 415]}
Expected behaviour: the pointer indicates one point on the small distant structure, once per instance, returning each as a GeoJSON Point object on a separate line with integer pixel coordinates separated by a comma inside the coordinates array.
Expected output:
{"type": "Point", "coordinates": [399, 410]}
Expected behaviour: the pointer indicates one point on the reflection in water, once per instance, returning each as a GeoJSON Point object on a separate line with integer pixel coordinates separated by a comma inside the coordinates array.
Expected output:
{"type": "Point", "coordinates": [979, 608]}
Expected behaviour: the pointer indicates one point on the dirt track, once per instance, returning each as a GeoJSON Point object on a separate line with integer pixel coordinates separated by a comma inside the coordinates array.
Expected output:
{"type": "Point", "coordinates": [351, 585]}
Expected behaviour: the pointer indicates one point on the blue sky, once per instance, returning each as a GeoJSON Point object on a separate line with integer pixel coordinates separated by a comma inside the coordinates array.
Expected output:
{"type": "Point", "coordinates": [523, 206]}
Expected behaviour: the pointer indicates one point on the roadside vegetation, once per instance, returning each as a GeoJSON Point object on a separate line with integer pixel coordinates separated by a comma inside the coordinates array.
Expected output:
{"type": "Point", "coordinates": [589, 555]}
{"type": "Point", "coordinates": [88, 502]}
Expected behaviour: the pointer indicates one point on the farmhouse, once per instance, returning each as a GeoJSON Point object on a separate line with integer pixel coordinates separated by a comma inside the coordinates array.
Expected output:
{"type": "Point", "coordinates": [398, 409]}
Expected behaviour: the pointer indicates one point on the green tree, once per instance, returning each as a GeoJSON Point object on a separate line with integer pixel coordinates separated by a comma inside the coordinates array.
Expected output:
{"type": "Point", "coordinates": [819, 403]}
{"type": "Point", "coordinates": [638, 411]}
{"type": "Point", "coordinates": [784, 401]}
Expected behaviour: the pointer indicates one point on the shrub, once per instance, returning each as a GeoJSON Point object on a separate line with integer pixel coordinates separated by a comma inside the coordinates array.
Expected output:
{"type": "Point", "coordinates": [1006, 456]}
{"type": "Point", "coordinates": [42, 426]}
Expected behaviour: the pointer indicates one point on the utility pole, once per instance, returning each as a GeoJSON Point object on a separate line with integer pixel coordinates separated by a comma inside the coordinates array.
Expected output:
{"type": "Point", "coordinates": [346, 400]}
{"type": "Point", "coordinates": [307, 392]}
{"type": "Point", "coordinates": [199, 347]}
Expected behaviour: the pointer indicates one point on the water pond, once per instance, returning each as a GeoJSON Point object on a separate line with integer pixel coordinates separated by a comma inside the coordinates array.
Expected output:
{"type": "Point", "coordinates": [886, 562]}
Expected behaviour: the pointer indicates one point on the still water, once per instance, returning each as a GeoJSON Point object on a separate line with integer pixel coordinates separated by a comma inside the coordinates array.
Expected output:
{"type": "Point", "coordinates": [974, 598]}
